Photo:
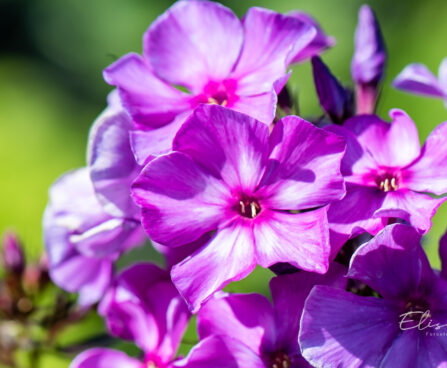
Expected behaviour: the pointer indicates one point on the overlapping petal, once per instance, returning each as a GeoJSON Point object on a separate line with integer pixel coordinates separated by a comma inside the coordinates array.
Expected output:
{"type": "Point", "coordinates": [194, 42]}
{"type": "Point", "coordinates": [301, 239]}
{"type": "Point", "coordinates": [104, 358]}
{"type": "Point", "coordinates": [341, 329]}
{"type": "Point", "coordinates": [303, 169]}
{"type": "Point", "coordinates": [180, 201]}
{"type": "Point", "coordinates": [229, 256]}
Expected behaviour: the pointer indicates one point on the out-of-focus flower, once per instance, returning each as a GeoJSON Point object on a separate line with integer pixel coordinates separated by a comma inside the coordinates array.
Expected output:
{"type": "Point", "coordinates": [266, 333]}
{"type": "Point", "coordinates": [215, 58]}
{"type": "Point", "coordinates": [228, 175]}
{"type": "Point", "coordinates": [368, 62]}
{"type": "Point", "coordinates": [142, 306]}
{"type": "Point", "coordinates": [82, 240]}
{"type": "Point", "coordinates": [418, 79]}
{"type": "Point", "coordinates": [13, 259]}
{"type": "Point", "coordinates": [402, 328]}
{"type": "Point", "coordinates": [111, 162]}
{"type": "Point", "coordinates": [387, 174]}
{"type": "Point", "coordinates": [334, 98]}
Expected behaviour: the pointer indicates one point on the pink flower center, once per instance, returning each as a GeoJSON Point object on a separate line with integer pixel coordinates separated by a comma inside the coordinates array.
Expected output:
{"type": "Point", "coordinates": [388, 182]}
{"type": "Point", "coordinates": [280, 360]}
{"type": "Point", "coordinates": [220, 93]}
{"type": "Point", "coordinates": [249, 207]}
{"type": "Point", "coordinates": [219, 98]}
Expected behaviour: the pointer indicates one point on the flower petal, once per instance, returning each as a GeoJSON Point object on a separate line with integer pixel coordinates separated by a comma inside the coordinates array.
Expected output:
{"type": "Point", "coordinates": [340, 329]}
{"type": "Point", "coordinates": [111, 162]}
{"type": "Point", "coordinates": [194, 42]}
{"type": "Point", "coordinates": [180, 200]}
{"type": "Point", "coordinates": [304, 166]}
{"type": "Point", "coordinates": [150, 143]}
{"type": "Point", "coordinates": [220, 352]}
{"type": "Point", "coordinates": [90, 277]}
{"type": "Point", "coordinates": [429, 172]}
{"type": "Point", "coordinates": [391, 145]}
{"type": "Point", "coordinates": [289, 293]}
{"type": "Point", "coordinates": [229, 256]}
{"type": "Point", "coordinates": [104, 358]}
{"type": "Point", "coordinates": [262, 107]}
{"type": "Point", "coordinates": [417, 78]}
{"type": "Point", "coordinates": [415, 208]}
{"type": "Point", "coordinates": [443, 255]}
{"type": "Point", "coordinates": [300, 239]}
{"type": "Point", "coordinates": [248, 318]}
{"type": "Point", "coordinates": [353, 214]}
{"type": "Point", "coordinates": [392, 263]}
{"type": "Point", "coordinates": [231, 145]}
{"type": "Point", "coordinates": [320, 43]}
{"type": "Point", "coordinates": [150, 101]}
{"type": "Point", "coordinates": [271, 40]}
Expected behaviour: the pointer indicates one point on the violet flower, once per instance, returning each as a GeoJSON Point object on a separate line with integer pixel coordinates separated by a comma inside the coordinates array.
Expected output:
{"type": "Point", "coordinates": [227, 175]}
{"type": "Point", "coordinates": [403, 328]}
{"type": "Point", "coordinates": [334, 98]}
{"type": "Point", "coordinates": [387, 175]}
{"type": "Point", "coordinates": [368, 62]}
{"type": "Point", "coordinates": [81, 239]}
{"type": "Point", "coordinates": [418, 79]}
{"type": "Point", "coordinates": [205, 49]}
{"type": "Point", "coordinates": [142, 306]}
{"type": "Point", "coordinates": [266, 335]}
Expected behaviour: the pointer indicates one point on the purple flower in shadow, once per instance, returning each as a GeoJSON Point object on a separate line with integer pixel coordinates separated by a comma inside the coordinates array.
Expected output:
{"type": "Point", "coordinates": [404, 327]}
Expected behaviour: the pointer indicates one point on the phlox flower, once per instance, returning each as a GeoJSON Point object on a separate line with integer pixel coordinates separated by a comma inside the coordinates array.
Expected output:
{"type": "Point", "coordinates": [228, 178]}
{"type": "Point", "coordinates": [387, 174]}
{"type": "Point", "coordinates": [82, 240]}
{"type": "Point", "coordinates": [142, 306]}
{"type": "Point", "coordinates": [253, 332]}
{"type": "Point", "coordinates": [202, 47]}
{"type": "Point", "coordinates": [404, 327]}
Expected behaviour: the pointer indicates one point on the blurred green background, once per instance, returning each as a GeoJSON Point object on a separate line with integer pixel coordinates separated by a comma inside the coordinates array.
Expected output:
{"type": "Point", "coordinates": [52, 53]}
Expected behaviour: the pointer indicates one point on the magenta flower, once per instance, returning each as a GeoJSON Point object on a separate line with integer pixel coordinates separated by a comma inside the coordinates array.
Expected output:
{"type": "Point", "coordinates": [142, 306]}
{"type": "Point", "coordinates": [265, 335]}
{"type": "Point", "coordinates": [405, 327]}
{"type": "Point", "coordinates": [416, 78]}
{"type": "Point", "coordinates": [368, 62]}
{"type": "Point", "coordinates": [388, 174]}
{"type": "Point", "coordinates": [81, 239]}
{"type": "Point", "coordinates": [204, 48]}
{"type": "Point", "coordinates": [227, 175]}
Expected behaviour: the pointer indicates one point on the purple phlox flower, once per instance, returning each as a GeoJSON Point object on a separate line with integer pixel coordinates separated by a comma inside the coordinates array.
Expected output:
{"type": "Point", "coordinates": [368, 62]}
{"type": "Point", "coordinates": [228, 176]}
{"type": "Point", "coordinates": [142, 306]}
{"type": "Point", "coordinates": [417, 78]}
{"type": "Point", "coordinates": [405, 327]}
{"type": "Point", "coordinates": [111, 162]}
{"type": "Point", "coordinates": [334, 98]}
{"type": "Point", "coordinates": [82, 240]}
{"type": "Point", "coordinates": [215, 58]}
{"type": "Point", "coordinates": [265, 335]}
{"type": "Point", "coordinates": [387, 175]}
{"type": "Point", "coordinates": [13, 258]}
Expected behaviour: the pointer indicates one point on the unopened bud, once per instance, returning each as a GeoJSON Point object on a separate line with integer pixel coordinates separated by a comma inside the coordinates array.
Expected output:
{"type": "Point", "coordinates": [13, 258]}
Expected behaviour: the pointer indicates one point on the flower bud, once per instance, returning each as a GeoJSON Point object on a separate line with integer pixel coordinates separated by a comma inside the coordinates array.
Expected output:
{"type": "Point", "coordinates": [368, 63]}
{"type": "Point", "coordinates": [13, 258]}
{"type": "Point", "coordinates": [334, 98]}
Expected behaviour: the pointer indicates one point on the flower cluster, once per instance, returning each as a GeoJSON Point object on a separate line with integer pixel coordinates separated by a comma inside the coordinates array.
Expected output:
{"type": "Point", "coordinates": [198, 153]}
